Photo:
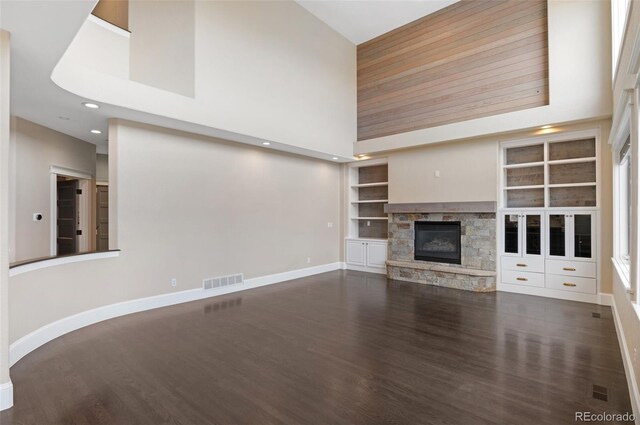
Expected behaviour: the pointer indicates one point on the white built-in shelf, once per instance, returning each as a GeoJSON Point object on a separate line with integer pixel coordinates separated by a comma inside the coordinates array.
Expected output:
{"type": "Point", "coordinates": [524, 165]}
{"type": "Point", "coordinates": [373, 201]}
{"type": "Point", "coordinates": [370, 218]}
{"type": "Point", "coordinates": [371, 184]}
{"type": "Point", "coordinates": [571, 161]}
{"type": "Point", "coordinates": [573, 184]}
{"type": "Point", "coordinates": [537, 186]}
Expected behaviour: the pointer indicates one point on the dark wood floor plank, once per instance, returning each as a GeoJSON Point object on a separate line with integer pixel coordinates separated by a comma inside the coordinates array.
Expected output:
{"type": "Point", "coordinates": [337, 348]}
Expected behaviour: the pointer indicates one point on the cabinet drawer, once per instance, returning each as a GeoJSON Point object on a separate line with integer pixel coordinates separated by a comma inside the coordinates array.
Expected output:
{"type": "Point", "coordinates": [525, 264]}
{"type": "Point", "coordinates": [571, 268]}
{"type": "Point", "coordinates": [571, 283]}
{"type": "Point", "coordinates": [523, 278]}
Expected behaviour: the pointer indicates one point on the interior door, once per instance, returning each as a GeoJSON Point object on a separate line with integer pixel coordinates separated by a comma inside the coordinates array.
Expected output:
{"type": "Point", "coordinates": [102, 218]}
{"type": "Point", "coordinates": [67, 217]}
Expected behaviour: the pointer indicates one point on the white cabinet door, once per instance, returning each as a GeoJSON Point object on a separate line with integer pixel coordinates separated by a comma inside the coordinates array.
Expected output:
{"type": "Point", "coordinates": [571, 235]}
{"type": "Point", "coordinates": [376, 254]}
{"type": "Point", "coordinates": [356, 253]}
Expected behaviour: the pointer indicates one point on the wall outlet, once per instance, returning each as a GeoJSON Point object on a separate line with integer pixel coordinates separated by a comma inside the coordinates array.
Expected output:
{"type": "Point", "coordinates": [368, 223]}
{"type": "Point", "coordinates": [437, 173]}
{"type": "Point", "coordinates": [308, 260]}
{"type": "Point", "coordinates": [329, 224]}
{"type": "Point", "coordinates": [174, 282]}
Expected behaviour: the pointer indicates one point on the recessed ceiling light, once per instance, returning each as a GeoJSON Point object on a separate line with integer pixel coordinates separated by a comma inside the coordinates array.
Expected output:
{"type": "Point", "coordinates": [266, 143]}
{"type": "Point", "coordinates": [334, 158]}
{"type": "Point", "coordinates": [91, 105]}
{"type": "Point", "coordinates": [544, 127]}
{"type": "Point", "coordinates": [96, 131]}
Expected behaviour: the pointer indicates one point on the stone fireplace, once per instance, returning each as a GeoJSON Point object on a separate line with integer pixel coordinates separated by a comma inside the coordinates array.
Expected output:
{"type": "Point", "coordinates": [443, 244]}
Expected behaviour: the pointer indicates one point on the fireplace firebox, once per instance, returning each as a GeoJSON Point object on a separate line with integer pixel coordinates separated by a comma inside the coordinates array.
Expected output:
{"type": "Point", "coordinates": [438, 241]}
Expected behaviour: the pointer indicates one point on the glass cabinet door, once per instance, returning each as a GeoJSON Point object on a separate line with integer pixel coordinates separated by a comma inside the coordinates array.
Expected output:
{"type": "Point", "coordinates": [557, 235]}
{"type": "Point", "coordinates": [582, 235]}
{"type": "Point", "coordinates": [510, 232]}
{"type": "Point", "coordinates": [533, 234]}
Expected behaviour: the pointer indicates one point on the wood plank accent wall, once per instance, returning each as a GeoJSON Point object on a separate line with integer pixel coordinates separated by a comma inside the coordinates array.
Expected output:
{"type": "Point", "coordinates": [472, 59]}
{"type": "Point", "coordinates": [115, 12]}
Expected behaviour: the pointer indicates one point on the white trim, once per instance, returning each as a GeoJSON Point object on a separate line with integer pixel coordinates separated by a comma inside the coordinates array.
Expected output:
{"type": "Point", "coordinates": [70, 172]}
{"type": "Point", "coordinates": [18, 270]}
{"type": "Point", "coordinates": [6, 395]}
{"type": "Point", "coordinates": [102, 183]}
{"type": "Point", "coordinates": [366, 269]}
{"type": "Point", "coordinates": [108, 25]}
{"type": "Point", "coordinates": [634, 395]}
{"type": "Point", "coordinates": [53, 330]}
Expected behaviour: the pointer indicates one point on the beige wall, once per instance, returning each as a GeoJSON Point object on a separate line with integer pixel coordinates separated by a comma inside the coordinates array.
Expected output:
{"type": "Point", "coordinates": [162, 51]}
{"type": "Point", "coordinates": [102, 167]}
{"type": "Point", "coordinates": [191, 208]}
{"type": "Point", "coordinates": [265, 71]}
{"type": "Point", "coordinates": [36, 149]}
{"type": "Point", "coordinates": [468, 172]}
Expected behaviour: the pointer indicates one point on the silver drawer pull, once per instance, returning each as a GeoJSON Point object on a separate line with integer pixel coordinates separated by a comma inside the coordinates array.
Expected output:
{"type": "Point", "coordinates": [521, 265]}
{"type": "Point", "coordinates": [569, 284]}
{"type": "Point", "coordinates": [524, 279]}
{"type": "Point", "coordinates": [569, 269]}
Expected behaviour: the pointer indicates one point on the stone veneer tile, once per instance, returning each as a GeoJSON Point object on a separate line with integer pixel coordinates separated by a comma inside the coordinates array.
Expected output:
{"type": "Point", "coordinates": [478, 240]}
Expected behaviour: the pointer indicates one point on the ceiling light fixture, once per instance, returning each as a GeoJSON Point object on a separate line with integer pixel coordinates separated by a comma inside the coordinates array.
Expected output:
{"type": "Point", "coordinates": [544, 127]}
{"type": "Point", "coordinates": [266, 143]}
{"type": "Point", "coordinates": [334, 158]}
{"type": "Point", "coordinates": [91, 105]}
{"type": "Point", "coordinates": [96, 131]}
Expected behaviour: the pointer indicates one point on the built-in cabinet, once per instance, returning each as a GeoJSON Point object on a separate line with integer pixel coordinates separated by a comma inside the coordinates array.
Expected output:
{"type": "Point", "coordinates": [548, 219]}
{"type": "Point", "coordinates": [368, 189]}
{"type": "Point", "coordinates": [367, 254]}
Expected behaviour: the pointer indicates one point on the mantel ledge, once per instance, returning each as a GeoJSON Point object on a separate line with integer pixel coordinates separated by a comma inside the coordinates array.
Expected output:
{"type": "Point", "coordinates": [442, 207]}
{"type": "Point", "coordinates": [441, 268]}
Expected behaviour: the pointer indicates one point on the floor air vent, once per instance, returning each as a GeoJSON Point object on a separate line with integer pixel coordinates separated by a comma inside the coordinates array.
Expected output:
{"type": "Point", "coordinates": [217, 282]}
{"type": "Point", "coordinates": [600, 393]}
{"type": "Point", "coordinates": [595, 315]}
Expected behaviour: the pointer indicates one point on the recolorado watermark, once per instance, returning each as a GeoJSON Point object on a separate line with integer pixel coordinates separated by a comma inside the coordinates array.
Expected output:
{"type": "Point", "coordinates": [604, 417]}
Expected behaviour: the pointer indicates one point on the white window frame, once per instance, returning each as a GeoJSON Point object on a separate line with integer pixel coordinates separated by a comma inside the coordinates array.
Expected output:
{"type": "Point", "coordinates": [622, 211]}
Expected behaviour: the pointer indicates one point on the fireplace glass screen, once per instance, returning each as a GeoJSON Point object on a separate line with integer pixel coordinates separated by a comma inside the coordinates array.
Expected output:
{"type": "Point", "coordinates": [438, 241]}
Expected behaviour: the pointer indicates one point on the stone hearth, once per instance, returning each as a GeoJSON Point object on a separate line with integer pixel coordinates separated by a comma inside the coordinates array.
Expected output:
{"type": "Point", "coordinates": [478, 237]}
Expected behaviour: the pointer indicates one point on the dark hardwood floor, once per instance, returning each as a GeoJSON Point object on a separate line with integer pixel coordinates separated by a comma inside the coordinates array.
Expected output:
{"type": "Point", "coordinates": [337, 348]}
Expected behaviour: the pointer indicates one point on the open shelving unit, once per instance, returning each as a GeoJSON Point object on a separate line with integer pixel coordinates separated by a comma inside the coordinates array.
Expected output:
{"type": "Point", "coordinates": [558, 174]}
{"type": "Point", "coordinates": [368, 194]}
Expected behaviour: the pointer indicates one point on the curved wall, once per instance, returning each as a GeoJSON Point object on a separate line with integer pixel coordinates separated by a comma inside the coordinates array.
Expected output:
{"type": "Point", "coordinates": [190, 207]}
{"type": "Point", "coordinates": [264, 71]}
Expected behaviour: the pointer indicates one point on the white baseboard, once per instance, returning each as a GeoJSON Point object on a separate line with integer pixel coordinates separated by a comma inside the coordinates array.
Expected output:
{"type": "Point", "coordinates": [41, 336]}
{"type": "Point", "coordinates": [6, 395]}
{"type": "Point", "coordinates": [627, 361]}
{"type": "Point", "coordinates": [366, 269]}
